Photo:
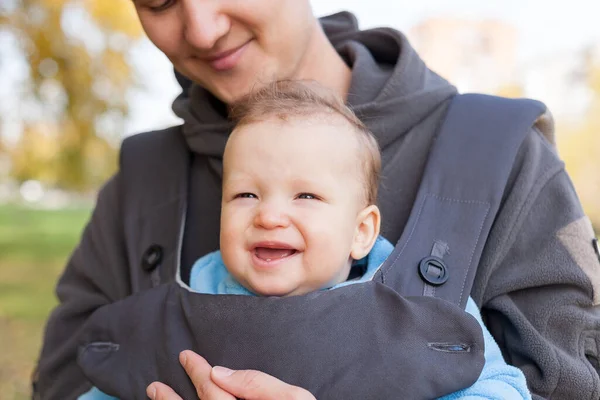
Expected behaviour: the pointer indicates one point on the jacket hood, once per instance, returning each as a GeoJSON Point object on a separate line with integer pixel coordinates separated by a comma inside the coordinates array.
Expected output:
{"type": "Point", "coordinates": [391, 90]}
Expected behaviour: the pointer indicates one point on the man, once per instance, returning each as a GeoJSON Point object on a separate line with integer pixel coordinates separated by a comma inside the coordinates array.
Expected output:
{"type": "Point", "coordinates": [537, 282]}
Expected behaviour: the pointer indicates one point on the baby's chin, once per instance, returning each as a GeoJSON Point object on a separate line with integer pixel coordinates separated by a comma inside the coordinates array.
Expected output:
{"type": "Point", "coordinates": [279, 290]}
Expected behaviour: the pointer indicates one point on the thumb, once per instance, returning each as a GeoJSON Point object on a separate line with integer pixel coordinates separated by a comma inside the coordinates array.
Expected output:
{"type": "Point", "coordinates": [255, 385]}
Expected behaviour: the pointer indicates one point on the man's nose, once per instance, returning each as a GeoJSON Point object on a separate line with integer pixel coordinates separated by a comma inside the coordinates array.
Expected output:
{"type": "Point", "coordinates": [204, 23]}
{"type": "Point", "coordinates": [271, 216]}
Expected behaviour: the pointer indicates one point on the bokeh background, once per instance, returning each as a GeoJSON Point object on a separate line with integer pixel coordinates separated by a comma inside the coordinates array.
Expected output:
{"type": "Point", "coordinates": [77, 76]}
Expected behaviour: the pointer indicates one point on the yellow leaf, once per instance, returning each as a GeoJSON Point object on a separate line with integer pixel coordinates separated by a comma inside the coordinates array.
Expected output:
{"type": "Point", "coordinates": [115, 15]}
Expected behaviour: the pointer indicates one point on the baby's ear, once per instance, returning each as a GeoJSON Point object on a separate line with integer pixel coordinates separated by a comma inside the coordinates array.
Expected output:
{"type": "Point", "coordinates": [367, 229]}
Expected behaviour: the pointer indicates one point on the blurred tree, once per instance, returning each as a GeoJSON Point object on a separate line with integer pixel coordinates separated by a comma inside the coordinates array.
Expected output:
{"type": "Point", "coordinates": [580, 148]}
{"type": "Point", "coordinates": [34, 155]}
{"type": "Point", "coordinates": [75, 94]}
{"type": "Point", "coordinates": [3, 157]}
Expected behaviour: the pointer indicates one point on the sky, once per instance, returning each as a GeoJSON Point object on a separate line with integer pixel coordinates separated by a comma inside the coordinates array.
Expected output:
{"type": "Point", "coordinates": [545, 27]}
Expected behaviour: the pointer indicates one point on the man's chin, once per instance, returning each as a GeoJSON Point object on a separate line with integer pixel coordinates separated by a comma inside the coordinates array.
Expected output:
{"type": "Point", "coordinates": [231, 93]}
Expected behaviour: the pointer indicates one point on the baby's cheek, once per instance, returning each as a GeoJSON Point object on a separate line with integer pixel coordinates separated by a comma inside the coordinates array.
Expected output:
{"type": "Point", "coordinates": [234, 221]}
{"type": "Point", "coordinates": [331, 249]}
{"type": "Point", "coordinates": [231, 237]}
{"type": "Point", "coordinates": [226, 234]}
{"type": "Point", "coordinates": [232, 259]}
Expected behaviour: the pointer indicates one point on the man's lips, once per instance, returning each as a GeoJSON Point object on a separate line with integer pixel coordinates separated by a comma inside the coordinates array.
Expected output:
{"type": "Point", "coordinates": [226, 60]}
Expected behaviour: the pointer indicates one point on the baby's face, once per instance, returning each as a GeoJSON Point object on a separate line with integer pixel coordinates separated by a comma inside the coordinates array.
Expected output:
{"type": "Point", "coordinates": [292, 195]}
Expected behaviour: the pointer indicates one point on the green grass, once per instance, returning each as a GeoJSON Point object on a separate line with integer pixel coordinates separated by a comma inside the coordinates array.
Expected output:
{"type": "Point", "coordinates": [34, 247]}
{"type": "Point", "coordinates": [33, 235]}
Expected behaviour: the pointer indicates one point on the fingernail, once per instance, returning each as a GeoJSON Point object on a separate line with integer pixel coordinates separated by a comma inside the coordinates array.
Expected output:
{"type": "Point", "coordinates": [222, 371]}
{"type": "Point", "coordinates": [182, 358]}
{"type": "Point", "coordinates": [151, 391]}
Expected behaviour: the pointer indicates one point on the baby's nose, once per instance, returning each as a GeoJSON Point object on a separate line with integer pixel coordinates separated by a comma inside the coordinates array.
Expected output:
{"type": "Point", "coordinates": [271, 217]}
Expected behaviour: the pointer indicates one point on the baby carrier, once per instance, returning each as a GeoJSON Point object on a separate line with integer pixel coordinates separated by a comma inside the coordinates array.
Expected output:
{"type": "Point", "coordinates": [403, 334]}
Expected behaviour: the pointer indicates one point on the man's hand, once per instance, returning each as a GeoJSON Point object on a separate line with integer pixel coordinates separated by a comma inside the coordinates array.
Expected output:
{"type": "Point", "coordinates": [219, 383]}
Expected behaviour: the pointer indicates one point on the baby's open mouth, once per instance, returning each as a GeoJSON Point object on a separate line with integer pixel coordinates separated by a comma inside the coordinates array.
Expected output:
{"type": "Point", "coordinates": [271, 254]}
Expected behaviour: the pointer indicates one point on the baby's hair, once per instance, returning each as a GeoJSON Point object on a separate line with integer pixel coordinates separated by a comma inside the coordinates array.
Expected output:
{"type": "Point", "coordinates": [291, 99]}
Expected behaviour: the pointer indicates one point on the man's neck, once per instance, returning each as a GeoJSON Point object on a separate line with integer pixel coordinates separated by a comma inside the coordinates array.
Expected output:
{"type": "Point", "coordinates": [324, 65]}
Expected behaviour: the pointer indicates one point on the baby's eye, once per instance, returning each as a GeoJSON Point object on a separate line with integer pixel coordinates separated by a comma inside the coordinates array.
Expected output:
{"type": "Point", "coordinates": [161, 6]}
{"type": "Point", "coordinates": [245, 195]}
{"type": "Point", "coordinates": [308, 196]}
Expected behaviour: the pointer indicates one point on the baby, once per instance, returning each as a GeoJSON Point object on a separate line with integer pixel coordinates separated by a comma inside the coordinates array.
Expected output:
{"type": "Point", "coordinates": [299, 213]}
{"type": "Point", "coordinates": [300, 178]}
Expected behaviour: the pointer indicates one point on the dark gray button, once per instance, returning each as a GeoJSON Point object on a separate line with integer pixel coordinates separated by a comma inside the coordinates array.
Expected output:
{"type": "Point", "coordinates": [152, 258]}
{"type": "Point", "coordinates": [433, 270]}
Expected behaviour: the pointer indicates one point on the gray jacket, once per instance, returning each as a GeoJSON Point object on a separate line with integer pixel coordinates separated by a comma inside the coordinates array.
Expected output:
{"type": "Point", "coordinates": [537, 282]}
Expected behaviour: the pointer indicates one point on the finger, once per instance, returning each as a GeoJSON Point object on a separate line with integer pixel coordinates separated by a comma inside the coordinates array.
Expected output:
{"type": "Point", "coordinates": [160, 391]}
{"type": "Point", "coordinates": [198, 369]}
{"type": "Point", "coordinates": [256, 385]}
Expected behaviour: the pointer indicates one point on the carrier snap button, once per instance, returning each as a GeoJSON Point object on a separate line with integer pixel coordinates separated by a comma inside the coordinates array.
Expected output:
{"type": "Point", "coordinates": [433, 270]}
{"type": "Point", "coordinates": [152, 258]}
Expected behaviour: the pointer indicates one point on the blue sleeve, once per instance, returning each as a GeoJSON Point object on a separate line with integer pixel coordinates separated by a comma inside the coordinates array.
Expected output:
{"type": "Point", "coordinates": [498, 380]}
{"type": "Point", "coordinates": [96, 394]}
